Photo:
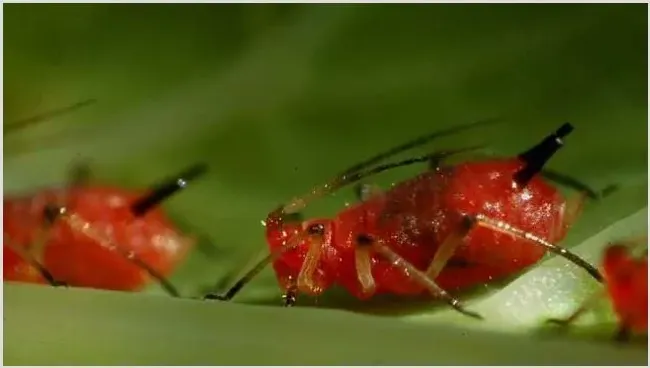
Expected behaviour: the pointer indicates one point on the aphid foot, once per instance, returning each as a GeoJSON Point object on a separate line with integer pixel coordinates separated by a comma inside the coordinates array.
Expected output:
{"type": "Point", "coordinates": [59, 284]}
{"type": "Point", "coordinates": [289, 299]}
{"type": "Point", "coordinates": [474, 315]}
{"type": "Point", "coordinates": [212, 296]}
{"type": "Point", "coordinates": [558, 322]}
{"type": "Point", "coordinates": [622, 335]}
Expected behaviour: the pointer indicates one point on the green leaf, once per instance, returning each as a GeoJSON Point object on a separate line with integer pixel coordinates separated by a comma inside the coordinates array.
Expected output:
{"type": "Point", "coordinates": [276, 98]}
{"type": "Point", "coordinates": [83, 327]}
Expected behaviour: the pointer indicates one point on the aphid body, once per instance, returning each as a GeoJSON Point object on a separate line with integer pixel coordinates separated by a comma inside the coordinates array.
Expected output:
{"type": "Point", "coordinates": [95, 244]}
{"type": "Point", "coordinates": [93, 235]}
{"type": "Point", "coordinates": [453, 226]}
{"type": "Point", "coordinates": [416, 216]}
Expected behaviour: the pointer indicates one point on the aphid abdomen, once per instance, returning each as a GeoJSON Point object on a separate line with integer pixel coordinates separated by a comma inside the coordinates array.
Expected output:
{"type": "Point", "coordinates": [487, 188]}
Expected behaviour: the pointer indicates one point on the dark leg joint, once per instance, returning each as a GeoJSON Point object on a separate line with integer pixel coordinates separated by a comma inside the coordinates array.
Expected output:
{"type": "Point", "coordinates": [213, 296]}
{"type": "Point", "coordinates": [290, 297]}
{"type": "Point", "coordinates": [229, 294]}
{"type": "Point", "coordinates": [564, 323]}
{"type": "Point", "coordinates": [623, 334]}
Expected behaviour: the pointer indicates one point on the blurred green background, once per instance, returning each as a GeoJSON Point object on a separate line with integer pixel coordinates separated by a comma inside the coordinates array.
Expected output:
{"type": "Point", "coordinates": [277, 98]}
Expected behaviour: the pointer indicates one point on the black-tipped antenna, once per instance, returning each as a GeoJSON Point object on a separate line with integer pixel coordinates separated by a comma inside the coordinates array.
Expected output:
{"type": "Point", "coordinates": [166, 189]}
{"type": "Point", "coordinates": [536, 157]}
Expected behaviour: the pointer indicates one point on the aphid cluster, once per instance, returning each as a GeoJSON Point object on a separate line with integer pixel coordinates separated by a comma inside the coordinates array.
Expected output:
{"type": "Point", "coordinates": [451, 227]}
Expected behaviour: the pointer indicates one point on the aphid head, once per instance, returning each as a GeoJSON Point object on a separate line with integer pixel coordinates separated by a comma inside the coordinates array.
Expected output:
{"type": "Point", "coordinates": [295, 233]}
{"type": "Point", "coordinates": [536, 157]}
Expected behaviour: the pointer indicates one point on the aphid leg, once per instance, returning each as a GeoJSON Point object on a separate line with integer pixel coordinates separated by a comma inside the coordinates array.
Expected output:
{"type": "Point", "coordinates": [291, 294]}
{"type": "Point", "coordinates": [309, 266]}
{"type": "Point", "coordinates": [33, 262]}
{"type": "Point", "coordinates": [449, 246]}
{"type": "Point", "coordinates": [396, 260]}
{"type": "Point", "coordinates": [242, 281]}
{"type": "Point", "coordinates": [505, 228]}
{"type": "Point", "coordinates": [585, 306]}
{"type": "Point", "coordinates": [363, 265]}
{"type": "Point", "coordinates": [34, 253]}
{"type": "Point", "coordinates": [259, 266]}
{"type": "Point", "coordinates": [623, 334]}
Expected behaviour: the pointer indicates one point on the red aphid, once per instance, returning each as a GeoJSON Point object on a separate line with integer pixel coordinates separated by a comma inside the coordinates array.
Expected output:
{"type": "Point", "coordinates": [626, 280]}
{"type": "Point", "coordinates": [626, 287]}
{"type": "Point", "coordinates": [448, 228]}
{"type": "Point", "coordinates": [93, 236]}
{"type": "Point", "coordinates": [93, 245]}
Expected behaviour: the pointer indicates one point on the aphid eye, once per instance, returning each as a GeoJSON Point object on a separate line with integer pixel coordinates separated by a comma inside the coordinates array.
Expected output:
{"type": "Point", "coordinates": [316, 229]}
{"type": "Point", "coordinates": [364, 240]}
{"type": "Point", "coordinates": [52, 212]}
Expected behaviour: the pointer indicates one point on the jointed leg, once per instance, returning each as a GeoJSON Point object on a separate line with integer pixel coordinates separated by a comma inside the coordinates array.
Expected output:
{"type": "Point", "coordinates": [585, 306]}
{"type": "Point", "coordinates": [306, 276]}
{"type": "Point", "coordinates": [396, 260]}
{"type": "Point", "coordinates": [256, 269]}
{"type": "Point", "coordinates": [363, 265]}
{"type": "Point", "coordinates": [623, 334]}
{"type": "Point", "coordinates": [29, 258]}
{"type": "Point", "coordinates": [449, 246]}
{"type": "Point", "coordinates": [290, 294]}
{"type": "Point", "coordinates": [505, 228]}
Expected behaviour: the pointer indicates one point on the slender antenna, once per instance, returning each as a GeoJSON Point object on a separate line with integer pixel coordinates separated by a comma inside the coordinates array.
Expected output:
{"type": "Point", "coordinates": [340, 181]}
{"type": "Point", "coordinates": [167, 188]}
{"type": "Point", "coordinates": [419, 141]}
{"type": "Point", "coordinates": [536, 157]}
{"type": "Point", "coordinates": [21, 124]}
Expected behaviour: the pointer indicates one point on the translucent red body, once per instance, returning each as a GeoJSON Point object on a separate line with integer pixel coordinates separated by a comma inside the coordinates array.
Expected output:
{"type": "Point", "coordinates": [414, 217]}
{"type": "Point", "coordinates": [80, 260]}
{"type": "Point", "coordinates": [627, 285]}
